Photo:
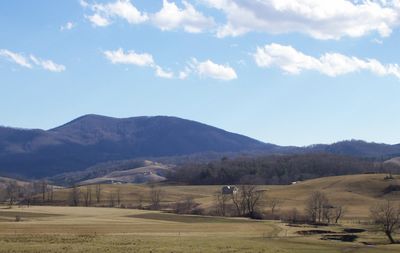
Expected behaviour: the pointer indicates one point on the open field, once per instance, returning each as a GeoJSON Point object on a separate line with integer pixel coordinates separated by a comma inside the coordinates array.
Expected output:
{"type": "Point", "coordinates": [357, 193]}
{"type": "Point", "coordinates": [81, 229]}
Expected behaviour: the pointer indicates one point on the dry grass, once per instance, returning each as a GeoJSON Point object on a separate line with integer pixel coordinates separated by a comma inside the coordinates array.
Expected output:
{"type": "Point", "coordinates": [79, 229]}
{"type": "Point", "coordinates": [357, 193]}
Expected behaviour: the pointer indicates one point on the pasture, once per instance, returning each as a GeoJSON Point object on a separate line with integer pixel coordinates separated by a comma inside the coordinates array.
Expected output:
{"type": "Point", "coordinates": [89, 229]}
{"type": "Point", "coordinates": [105, 229]}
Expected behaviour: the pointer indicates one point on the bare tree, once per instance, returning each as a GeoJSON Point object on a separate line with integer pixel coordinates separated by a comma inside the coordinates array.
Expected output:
{"type": "Point", "coordinates": [316, 206]}
{"type": "Point", "coordinates": [274, 203]}
{"type": "Point", "coordinates": [12, 192]}
{"type": "Point", "coordinates": [75, 196]}
{"type": "Point", "coordinates": [140, 200]}
{"type": "Point", "coordinates": [50, 193]}
{"type": "Point", "coordinates": [387, 217]}
{"type": "Point", "coordinates": [339, 211]}
{"type": "Point", "coordinates": [293, 215]}
{"type": "Point", "coordinates": [118, 194]}
{"type": "Point", "coordinates": [43, 189]}
{"type": "Point", "coordinates": [155, 197]}
{"type": "Point", "coordinates": [247, 199]}
{"type": "Point", "coordinates": [185, 206]}
{"type": "Point", "coordinates": [98, 193]}
{"type": "Point", "coordinates": [221, 203]}
{"type": "Point", "coordinates": [239, 202]}
{"type": "Point", "coordinates": [28, 192]}
{"type": "Point", "coordinates": [112, 199]}
{"type": "Point", "coordinates": [87, 196]}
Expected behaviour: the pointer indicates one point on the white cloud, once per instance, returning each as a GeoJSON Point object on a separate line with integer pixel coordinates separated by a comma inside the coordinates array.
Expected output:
{"type": "Point", "coordinates": [48, 64]}
{"type": "Point", "coordinates": [331, 19]}
{"type": "Point", "coordinates": [130, 57]}
{"type": "Point", "coordinates": [31, 61]}
{"type": "Point", "coordinates": [171, 17]}
{"type": "Point", "coordinates": [84, 4]}
{"type": "Point", "coordinates": [67, 26]}
{"type": "Point", "coordinates": [105, 13]}
{"type": "Point", "coordinates": [332, 64]}
{"type": "Point", "coordinates": [16, 58]}
{"type": "Point", "coordinates": [212, 70]}
{"type": "Point", "coordinates": [143, 60]}
{"type": "Point", "coordinates": [164, 74]}
{"type": "Point", "coordinates": [98, 20]}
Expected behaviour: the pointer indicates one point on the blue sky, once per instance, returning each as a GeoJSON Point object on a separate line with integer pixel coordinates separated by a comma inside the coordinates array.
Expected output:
{"type": "Point", "coordinates": [290, 72]}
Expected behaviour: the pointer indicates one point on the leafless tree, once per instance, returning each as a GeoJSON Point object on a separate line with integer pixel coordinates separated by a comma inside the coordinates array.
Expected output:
{"type": "Point", "coordinates": [155, 197]}
{"type": "Point", "coordinates": [112, 199]}
{"type": "Point", "coordinates": [185, 206]}
{"type": "Point", "coordinates": [316, 206]}
{"type": "Point", "coordinates": [98, 193]}
{"type": "Point", "coordinates": [75, 196]}
{"type": "Point", "coordinates": [140, 200]}
{"type": "Point", "coordinates": [339, 211]}
{"type": "Point", "coordinates": [247, 199]}
{"type": "Point", "coordinates": [118, 194]}
{"type": "Point", "coordinates": [87, 196]}
{"type": "Point", "coordinates": [50, 193]}
{"type": "Point", "coordinates": [239, 202]}
{"type": "Point", "coordinates": [221, 201]}
{"type": "Point", "coordinates": [387, 217]}
{"type": "Point", "coordinates": [28, 192]}
{"type": "Point", "coordinates": [274, 203]}
{"type": "Point", "coordinates": [12, 192]}
{"type": "Point", "coordinates": [43, 189]}
{"type": "Point", "coordinates": [293, 215]}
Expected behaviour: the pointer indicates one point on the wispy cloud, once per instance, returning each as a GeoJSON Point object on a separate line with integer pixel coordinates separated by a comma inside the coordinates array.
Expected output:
{"type": "Point", "coordinates": [48, 64]}
{"type": "Point", "coordinates": [207, 68]}
{"type": "Point", "coordinates": [130, 57]}
{"type": "Point", "coordinates": [68, 26]}
{"type": "Point", "coordinates": [119, 56]}
{"type": "Point", "coordinates": [16, 58]}
{"type": "Point", "coordinates": [31, 61]}
{"type": "Point", "coordinates": [292, 61]}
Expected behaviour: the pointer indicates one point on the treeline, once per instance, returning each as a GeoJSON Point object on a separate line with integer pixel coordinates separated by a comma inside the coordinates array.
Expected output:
{"type": "Point", "coordinates": [274, 169]}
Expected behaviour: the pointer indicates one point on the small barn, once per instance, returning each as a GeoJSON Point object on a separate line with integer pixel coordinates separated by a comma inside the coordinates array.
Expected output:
{"type": "Point", "coordinates": [229, 189]}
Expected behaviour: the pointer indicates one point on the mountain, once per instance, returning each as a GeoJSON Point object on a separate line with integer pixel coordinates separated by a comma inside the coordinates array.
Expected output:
{"type": "Point", "coordinates": [93, 139]}
{"type": "Point", "coordinates": [358, 148]}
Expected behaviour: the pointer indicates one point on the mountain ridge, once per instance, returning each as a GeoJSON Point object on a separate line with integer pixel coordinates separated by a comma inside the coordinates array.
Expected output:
{"type": "Point", "coordinates": [92, 139]}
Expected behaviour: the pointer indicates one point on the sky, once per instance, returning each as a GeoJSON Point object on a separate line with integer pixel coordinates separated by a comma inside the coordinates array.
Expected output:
{"type": "Point", "coordinates": [289, 72]}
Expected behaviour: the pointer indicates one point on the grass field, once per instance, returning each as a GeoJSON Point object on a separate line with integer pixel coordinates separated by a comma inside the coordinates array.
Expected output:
{"type": "Point", "coordinates": [356, 192]}
{"type": "Point", "coordinates": [99, 229]}
{"type": "Point", "coordinates": [80, 229]}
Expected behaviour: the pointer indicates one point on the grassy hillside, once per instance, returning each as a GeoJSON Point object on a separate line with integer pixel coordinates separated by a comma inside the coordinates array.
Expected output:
{"type": "Point", "coordinates": [356, 192]}
{"type": "Point", "coordinates": [79, 229]}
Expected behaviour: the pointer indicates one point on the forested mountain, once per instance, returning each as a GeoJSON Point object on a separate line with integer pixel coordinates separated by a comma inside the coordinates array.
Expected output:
{"type": "Point", "coordinates": [93, 139]}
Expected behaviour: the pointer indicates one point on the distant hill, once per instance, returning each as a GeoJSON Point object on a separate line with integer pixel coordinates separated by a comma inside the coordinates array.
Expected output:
{"type": "Point", "coordinates": [357, 148]}
{"type": "Point", "coordinates": [93, 139]}
{"type": "Point", "coordinates": [150, 172]}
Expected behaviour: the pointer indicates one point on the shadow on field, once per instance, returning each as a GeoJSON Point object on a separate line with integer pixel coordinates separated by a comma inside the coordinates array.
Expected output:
{"type": "Point", "coordinates": [187, 218]}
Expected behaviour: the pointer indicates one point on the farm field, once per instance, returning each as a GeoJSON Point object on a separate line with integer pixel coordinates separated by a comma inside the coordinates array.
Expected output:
{"type": "Point", "coordinates": [104, 229]}
{"type": "Point", "coordinates": [357, 193]}
{"type": "Point", "coordinates": [89, 229]}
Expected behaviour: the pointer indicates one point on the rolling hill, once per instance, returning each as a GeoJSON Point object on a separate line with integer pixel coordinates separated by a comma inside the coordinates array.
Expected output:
{"type": "Point", "coordinates": [94, 139]}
